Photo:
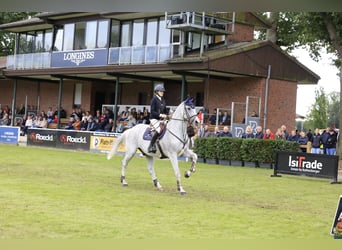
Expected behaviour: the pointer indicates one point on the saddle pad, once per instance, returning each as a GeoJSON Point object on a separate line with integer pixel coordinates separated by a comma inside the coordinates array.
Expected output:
{"type": "Point", "coordinates": [147, 136]}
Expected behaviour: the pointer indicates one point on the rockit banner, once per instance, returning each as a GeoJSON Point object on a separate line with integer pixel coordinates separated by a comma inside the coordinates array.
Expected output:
{"type": "Point", "coordinates": [71, 139]}
{"type": "Point", "coordinates": [41, 137]}
{"type": "Point", "coordinates": [313, 165]}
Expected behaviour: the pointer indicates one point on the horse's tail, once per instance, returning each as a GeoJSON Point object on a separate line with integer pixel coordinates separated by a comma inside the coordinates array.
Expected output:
{"type": "Point", "coordinates": [115, 146]}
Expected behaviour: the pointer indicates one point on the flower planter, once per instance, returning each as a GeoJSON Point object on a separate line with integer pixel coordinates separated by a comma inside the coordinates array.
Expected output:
{"type": "Point", "coordinates": [236, 163]}
{"type": "Point", "coordinates": [225, 162]}
{"type": "Point", "coordinates": [211, 161]}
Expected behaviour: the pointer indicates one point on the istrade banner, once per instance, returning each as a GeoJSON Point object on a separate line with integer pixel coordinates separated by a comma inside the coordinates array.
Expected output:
{"type": "Point", "coordinates": [9, 135]}
{"type": "Point", "coordinates": [41, 137]}
{"type": "Point", "coordinates": [313, 165]}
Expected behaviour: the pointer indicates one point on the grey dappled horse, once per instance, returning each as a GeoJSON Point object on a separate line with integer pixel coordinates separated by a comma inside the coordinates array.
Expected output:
{"type": "Point", "coordinates": [174, 143]}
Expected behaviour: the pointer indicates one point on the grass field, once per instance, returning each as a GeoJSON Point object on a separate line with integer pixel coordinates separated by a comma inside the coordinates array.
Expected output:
{"type": "Point", "coordinates": [47, 193]}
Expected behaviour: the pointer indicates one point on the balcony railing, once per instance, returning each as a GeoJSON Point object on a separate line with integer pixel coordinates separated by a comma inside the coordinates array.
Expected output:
{"type": "Point", "coordinates": [119, 55]}
{"type": "Point", "coordinates": [141, 54]}
{"type": "Point", "coordinates": [29, 61]}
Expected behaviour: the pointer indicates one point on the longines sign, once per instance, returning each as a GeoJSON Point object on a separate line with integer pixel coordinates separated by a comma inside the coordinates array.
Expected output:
{"type": "Point", "coordinates": [79, 58]}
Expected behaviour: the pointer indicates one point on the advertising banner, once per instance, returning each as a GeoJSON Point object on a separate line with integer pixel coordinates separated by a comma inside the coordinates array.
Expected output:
{"type": "Point", "coordinates": [71, 139]}
{"type": "Point", "coordinates": [102, 142]}
{"type": "Point", "coordinates": [41, 137]}
{"type": "Point", "coordinates": [9, 134]}
{"type": "Point", "coordinates": [336, 228]}
{"type": "Point", "coordinates": [313, 165]}
{"type": "Point", "coordinates": [79, 58]}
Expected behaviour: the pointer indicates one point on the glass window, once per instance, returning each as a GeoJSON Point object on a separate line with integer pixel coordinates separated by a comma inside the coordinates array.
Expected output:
{"type": "Point", "coordinates": [164, 34]}
{"type": "Point", "coordinates": [90, 38]}
{"type": "Point", "coordinates": [115, 34]}
{"type": "Point", "coordinates": [22, 43]}
{"type": "Point", "coordinates": [102, 34]}
{"type": "Point", "coordinates": [68, 41]}
{"type": "Point", "coordinates": [48, 40]}
{"type": "Point", "coordinates": [29, 43]}
{"type": "Point", "coordinates": [138, 32]}
{"type": "Point", "coordinates": [126, 34]}
{"type": "Point", "coordinates": [59, 40]}
{"type": "Point", "coordinates": [152, 28]}
{"type": "Point", "coordinates": [39, 42]}
{"type": "Point", "coordinates": [80, 30]}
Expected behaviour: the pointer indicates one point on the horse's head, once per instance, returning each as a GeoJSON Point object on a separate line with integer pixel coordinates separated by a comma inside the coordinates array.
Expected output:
{"type": "Point", "coordinates": [190, 111]}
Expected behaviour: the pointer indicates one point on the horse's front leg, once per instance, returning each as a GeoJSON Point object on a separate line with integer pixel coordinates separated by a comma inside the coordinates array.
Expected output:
{"type": "Point", "coordinates": [174, 162]}
{"type": "Point", "coordinates": [193, 157]}
{"type": "Point", "coordinates": [150, 167]}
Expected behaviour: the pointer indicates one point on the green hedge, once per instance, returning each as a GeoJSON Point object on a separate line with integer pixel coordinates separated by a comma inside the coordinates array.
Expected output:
{"type": "Point", "coordinates": [238, 149]}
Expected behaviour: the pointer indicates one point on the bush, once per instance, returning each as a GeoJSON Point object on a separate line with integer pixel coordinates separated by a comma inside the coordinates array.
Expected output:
{"type": "Point", "coordinates": [238, 149]}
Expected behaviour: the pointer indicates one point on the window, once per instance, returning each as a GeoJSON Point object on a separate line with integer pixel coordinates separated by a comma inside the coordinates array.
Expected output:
{"type": "Point", "coordinates": [48, 40]}
{"type": "Point", "coordinates": [68, 36]}
{"type": "Point", "coordinates": [59, 40]}
{"type": "Point", "coordinates": [80, 42]}
{"type": "Point", "coordinates": [90, 35]}
{"type": "Point", "coordinates": [152, 28]}
{"type": "Point", "coordinates": [102, 34]}
{"type": "Point", "coordinates": [164, 34]}
{"type": "Point", "coordinates": [126, 34]}
{"type": "Point", "coordinates": [39, 42]}
{"type": "Point", "coordinates": [138, 32]}
{"type": "Point", "coordinates": [115, 34]}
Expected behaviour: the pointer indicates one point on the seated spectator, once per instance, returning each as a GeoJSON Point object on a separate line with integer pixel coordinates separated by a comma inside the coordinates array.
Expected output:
{"type": "Point", "coordinates": [248, 133]}
{"type": "Point", "coordinates": [70, 123]}
{"type": "Point", "coordinates": [225, 119]}
{"type": "Point", "coordinates": [42, 123]}
{"type": "Point", "coordinates": [293, 136]}
{"type": "Point", "coordinates": [268, 135]}
{"type": "Point", "coordinates": [225, 132]}
{"type": "Point", "coordinates": [28, 124]}
{"type": "Point", "coordinates": [259, 134]}
{"type": "Point", "coordinates": [109, 126]}
{"type": "Point", "coordinates": [84, 123]}
{"type": "Point", "coordinates": [77, 124]}
{"type": "Point", "coordinates": [5, 121]}
{"type": "Point", "coordinates": [91, 126]}
{"type": "Point", "coordinates": [131, 121]}
{"type": "Point", "coordinates": [204, 131]}
{"type": "Point", "coordinates": [55, 119]}
{"type": "Point", "coordinates": [217, 132]}
{"type": "Point", "coordinates": [303, 140]}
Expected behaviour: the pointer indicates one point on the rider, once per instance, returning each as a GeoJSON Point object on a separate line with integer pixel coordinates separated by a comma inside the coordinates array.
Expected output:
{"type": "Point", "coordinates": [158, 112]}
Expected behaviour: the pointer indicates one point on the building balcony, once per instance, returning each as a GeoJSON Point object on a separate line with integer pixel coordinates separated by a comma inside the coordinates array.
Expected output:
{"type": "Point", "coordinates": [199, 23]}
{"type": "Point", "coordinates": [151, 54]}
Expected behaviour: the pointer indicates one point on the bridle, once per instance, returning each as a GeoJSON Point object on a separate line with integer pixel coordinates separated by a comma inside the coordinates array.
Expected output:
{"type": "Point", "coordinates": [189, 119]}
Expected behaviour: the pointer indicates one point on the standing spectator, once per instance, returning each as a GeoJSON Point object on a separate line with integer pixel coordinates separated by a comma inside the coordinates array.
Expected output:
{"type": "Point", "coordinates": [283, 129]}
{"type": "Point", "coordinates": [225, 132]}
{"type": "Point", "coordinates": [225, 120]}
{"type": "Point", "coordinates": [293, 136]}
{"type": "Point", "coordinates": [303, 140]}
{"type": "Point", "coordinates": [259, 134]}
{"type": "Point", "coordinates": [248, 133]}
{"type": "Point", "coordinates": [325, 135]}
{"type": "Point", "coordinates": [331, 142]}
{"type": "Point", "coordinates": [268, 135]}
{"type": "Point", "coordinates": [84, 123]}
{"type": "Point", "coordinates": [280, 134]}
{"type": "Point", "coordinates": [212, 118]}
{"type": "Point", "coordinates": [309, 134]}
{"type": "Point", "coordinates": [316, 141]}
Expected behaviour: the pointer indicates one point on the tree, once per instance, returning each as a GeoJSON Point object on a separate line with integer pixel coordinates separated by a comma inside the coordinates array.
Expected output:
{"type": "Point", "coordinates": [7, 40]}
{"type": "Point", "coordinates": [318, 113]}
{"type": "Point", "coordinates": [317, 31]}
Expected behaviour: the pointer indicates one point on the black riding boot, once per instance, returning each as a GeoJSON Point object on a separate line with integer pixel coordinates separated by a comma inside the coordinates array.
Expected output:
{"type": "Point", "coordinates": [152, 146]}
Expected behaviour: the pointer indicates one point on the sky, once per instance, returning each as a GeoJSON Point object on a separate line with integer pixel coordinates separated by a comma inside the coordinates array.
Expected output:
{"type": "Point", "coordinates": [329, 79]}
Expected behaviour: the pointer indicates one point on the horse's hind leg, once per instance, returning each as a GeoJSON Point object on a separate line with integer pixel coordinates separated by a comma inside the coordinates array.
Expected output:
{"type": "Point", "coordinates": [150, 167]}
{"type": "Point", "coordinates": [128, 156]}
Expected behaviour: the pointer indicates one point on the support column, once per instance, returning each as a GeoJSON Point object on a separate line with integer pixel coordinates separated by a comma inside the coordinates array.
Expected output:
{"type": "Point", "coordinates": [115, 111]}
{"type": "Point", "coordinates": [184, 88]}
{"type": "Point", "coordinates": [14, 100]}
{"type": "Point", "coordinates": [60, 89]}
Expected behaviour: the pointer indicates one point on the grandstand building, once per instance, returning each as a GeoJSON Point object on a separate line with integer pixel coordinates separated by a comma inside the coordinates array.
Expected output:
{"type": "Point", "coordinates": [88, 59]}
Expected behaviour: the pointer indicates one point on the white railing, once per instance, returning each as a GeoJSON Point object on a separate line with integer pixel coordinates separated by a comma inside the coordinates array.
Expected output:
{"type": "Point", "coordinates": [148, 54]}
{"type": "Point", "coordinates": [29, 61]}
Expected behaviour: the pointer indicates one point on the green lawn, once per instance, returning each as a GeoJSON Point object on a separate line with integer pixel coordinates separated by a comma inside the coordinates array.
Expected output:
{"type": "Point", "coordinates": [49, 193]}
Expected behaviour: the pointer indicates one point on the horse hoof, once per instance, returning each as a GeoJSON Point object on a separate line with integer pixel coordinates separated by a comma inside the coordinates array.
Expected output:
{"type": "Point", "coordinates": [187, 174]}
{"type": "Point", "coordinates": [183, 193]}
{"type": "Point", "coordinates": [125, 184]}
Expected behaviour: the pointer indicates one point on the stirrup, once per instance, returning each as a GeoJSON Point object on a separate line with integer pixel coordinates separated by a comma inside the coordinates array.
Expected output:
{"type": "Point", "coordinates": [152, 149]}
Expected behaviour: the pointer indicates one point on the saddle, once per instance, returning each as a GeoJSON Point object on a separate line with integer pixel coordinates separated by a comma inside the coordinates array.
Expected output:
{"type": "Point", "coordinates": [147, 136]}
